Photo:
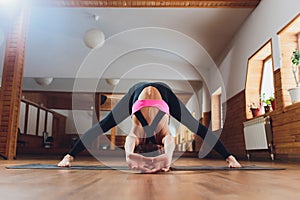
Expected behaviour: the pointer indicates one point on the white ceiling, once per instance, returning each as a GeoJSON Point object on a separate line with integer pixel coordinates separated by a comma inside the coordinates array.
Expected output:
{"type": "Point", "coordinates": [141, 43]}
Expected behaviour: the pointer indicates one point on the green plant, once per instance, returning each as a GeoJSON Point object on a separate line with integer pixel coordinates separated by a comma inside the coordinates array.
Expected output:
{"type": "Point", "coordinates": [296, 57]}
{"type": "Point", "coordinates": [267, 101]}
{"type": "Point", "coordinates": [271, 98]}
{"type": "Point", "coordinates": [296, 61]}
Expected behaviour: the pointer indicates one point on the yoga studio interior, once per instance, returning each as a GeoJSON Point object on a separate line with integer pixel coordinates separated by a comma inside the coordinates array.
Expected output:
{"type": "Point", "coordinates": [65, 64]}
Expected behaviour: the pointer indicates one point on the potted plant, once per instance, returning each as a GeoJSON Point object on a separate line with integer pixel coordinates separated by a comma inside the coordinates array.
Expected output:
{"type": "Point", "coordinates": [256, 109]}
{"type": "Point", "coordinates": [269, 103]}
{"type": "Point", "coordinates": [295, 92]}
{"type": "Point", "coordinates": [272, 99]}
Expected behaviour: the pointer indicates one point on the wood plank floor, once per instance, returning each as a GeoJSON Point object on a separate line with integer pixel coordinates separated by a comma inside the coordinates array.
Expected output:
{"type": "Point", "coordinates": [123, 185]}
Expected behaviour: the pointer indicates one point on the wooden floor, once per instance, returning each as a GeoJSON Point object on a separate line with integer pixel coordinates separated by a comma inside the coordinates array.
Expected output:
{"type": "Point", "coordinates": [16, 184]}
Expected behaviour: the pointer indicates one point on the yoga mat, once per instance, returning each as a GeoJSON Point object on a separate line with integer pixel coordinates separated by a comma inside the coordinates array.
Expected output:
{"type": "Point", "coordinates": [173, 168]}
{"type": "Point", "coordinates": [75, 167]}
{"type": "Point", "coordinates": [198, 168]}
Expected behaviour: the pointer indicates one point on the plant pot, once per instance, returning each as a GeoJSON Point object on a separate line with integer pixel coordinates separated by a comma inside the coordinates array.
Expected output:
{"type": "Point", "coordinates": [256, 111]}
{"type": "Point", "coordinates": [267, 109]}
{"type": "Point", "coordinates": [295, 94]}
{"type": "Point", "coordinates": [273, 104]}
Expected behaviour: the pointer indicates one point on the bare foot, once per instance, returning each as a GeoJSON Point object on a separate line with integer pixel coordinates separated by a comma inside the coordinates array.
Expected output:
{"type": "Point", "coordinates": [66, 161]}
{"type": "Point", "coordinates": [232, 162]}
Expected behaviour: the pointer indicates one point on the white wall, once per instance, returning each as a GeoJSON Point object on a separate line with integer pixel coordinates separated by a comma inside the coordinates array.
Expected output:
{"type": "Point", "coordinates": [262, 25]}
{"type": "Point", "coordinates": [82, 124]}
{"type": "Point", "coordinates": [206, 97]}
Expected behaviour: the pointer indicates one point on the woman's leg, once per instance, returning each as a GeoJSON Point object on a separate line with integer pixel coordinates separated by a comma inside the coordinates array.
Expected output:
{"type": "Point", "coordinates": [179, 111]}
{"type": "Point", "coordinates": [208, 136]}
{"type": "Point", "coordinates": [120, 112]}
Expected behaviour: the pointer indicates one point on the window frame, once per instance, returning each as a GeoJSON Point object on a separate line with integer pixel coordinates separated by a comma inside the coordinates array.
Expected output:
{"type": "Point", "coordinates": [289, 40]}
{"type": "Point", "coordinates": [262, 76]}
{"type": "Point", "coordinates": [254, 77]}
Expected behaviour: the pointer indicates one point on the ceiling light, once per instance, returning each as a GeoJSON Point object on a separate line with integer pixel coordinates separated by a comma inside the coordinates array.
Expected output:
{"type": "Point", "coordinates": [44, 81]}
{"type": "Point", "coordinates": [112, 81]}
{"type": "Point", "coordinates": [96, 17]}
{"type": "Point", "coordinates": [94, 38]}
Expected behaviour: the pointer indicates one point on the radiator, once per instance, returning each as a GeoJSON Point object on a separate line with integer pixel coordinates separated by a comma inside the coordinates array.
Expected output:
{"type": "Point", "coordinates": [258, 133]}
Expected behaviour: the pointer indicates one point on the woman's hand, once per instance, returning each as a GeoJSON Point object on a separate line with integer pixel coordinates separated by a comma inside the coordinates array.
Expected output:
{"type": "Point", "coordinates": [160, 163]}
{"type": "Point", "coordinates": [149, 164]}
{"type": "Point", "coordinates": [138, 162]}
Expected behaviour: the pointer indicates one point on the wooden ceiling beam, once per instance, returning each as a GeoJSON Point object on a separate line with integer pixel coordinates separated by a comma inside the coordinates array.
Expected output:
{"type": "Point", "coordinates": [149, 3]}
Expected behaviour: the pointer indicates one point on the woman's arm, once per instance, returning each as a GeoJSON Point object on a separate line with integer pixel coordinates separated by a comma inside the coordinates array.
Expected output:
{"type": "Point", "coordinates": [136, 161]}
{"type": "Point", "coordinates": [163, 161]}
{"type": "Point", "coordinates": [130, 144]}
{"type": "Point", "coordinates": [169, 146]}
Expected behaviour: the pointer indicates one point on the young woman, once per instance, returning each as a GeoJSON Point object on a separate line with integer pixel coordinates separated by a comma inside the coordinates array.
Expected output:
{"type": "Point", "coordinates": [149, 105]}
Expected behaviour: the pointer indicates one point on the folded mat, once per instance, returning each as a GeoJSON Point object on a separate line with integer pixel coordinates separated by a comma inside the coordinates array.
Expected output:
{"type": "Point", "coordinates": [103, 167]}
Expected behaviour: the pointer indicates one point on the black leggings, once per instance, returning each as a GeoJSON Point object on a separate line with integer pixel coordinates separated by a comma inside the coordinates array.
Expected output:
{"type": "Point", "coordinates": [124, 109]}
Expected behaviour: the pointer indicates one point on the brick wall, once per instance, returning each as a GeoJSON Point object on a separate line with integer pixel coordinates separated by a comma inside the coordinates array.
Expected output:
{"type": "Point", "coordinates": [232, 135]}
{"type": "Point", "coordinates": [12, 83]}
{"type": "Point", "coordinates": [285, 121]}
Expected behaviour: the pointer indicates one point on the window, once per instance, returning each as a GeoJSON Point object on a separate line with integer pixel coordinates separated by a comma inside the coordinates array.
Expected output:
{"type": "Point", "coordinates": [289, 41]}
{"type": "Point", "coordinates": [267, 83]}
{"type": "Point", "coordinates": [216, 110]}
{"type": "Point", "coordinates": [260, 79]}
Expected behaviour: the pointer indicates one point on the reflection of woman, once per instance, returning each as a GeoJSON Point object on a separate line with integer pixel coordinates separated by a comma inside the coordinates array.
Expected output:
{"type": "Point", "coordinates": [150, 105]}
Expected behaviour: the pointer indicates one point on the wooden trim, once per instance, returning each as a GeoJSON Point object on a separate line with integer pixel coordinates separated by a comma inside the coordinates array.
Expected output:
{"type": "Point", "coordinates": [37, 122]}
{"type": "Point", "coordinates": [149, 3]}
{"type": "Point", "coordinates": [278, 90]}
{"type": "Point", "coordinates": [269, 57]}
{"type": "Point", "coordinates": [255, 63]}
{"type": "Point", "coordinates": [292, 107]}
{"type": "Point", "coordinates": [26, 119]}
{"type": "Point", "coordinates": [286, 27]}
{"type": "Point", "coordinates": [260, 49]}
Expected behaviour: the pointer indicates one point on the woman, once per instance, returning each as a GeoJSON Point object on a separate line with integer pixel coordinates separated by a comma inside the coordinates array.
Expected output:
{"type": "Point", "coordinates": [149, 105]}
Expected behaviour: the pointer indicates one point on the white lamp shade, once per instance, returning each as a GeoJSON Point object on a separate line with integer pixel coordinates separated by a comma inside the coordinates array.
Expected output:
{"type": "Point", "coordinates": [112, 81]}
{"type": "Point", "coordinates": [44, 81]}
{"type": "Point", "coordinates": [94, 38]}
